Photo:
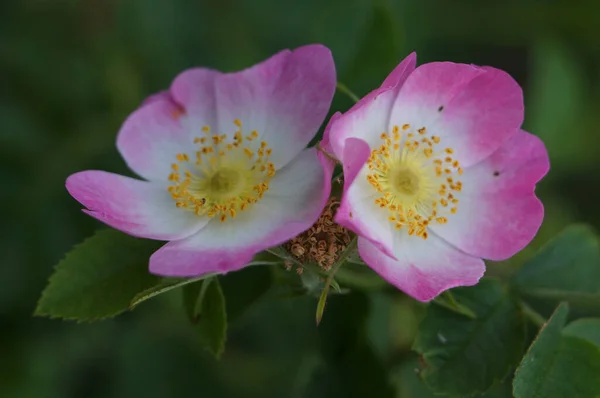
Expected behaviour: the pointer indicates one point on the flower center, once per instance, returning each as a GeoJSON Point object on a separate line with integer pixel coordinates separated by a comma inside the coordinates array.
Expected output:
{"type": "Point", "coordinates": [225, 182]}
{"type": "Point", "coordinates": [405, 181]}
{"type": "Point", "coordinates": [229, 174]}
{"type": "Point", "coordinates": [415, 179]}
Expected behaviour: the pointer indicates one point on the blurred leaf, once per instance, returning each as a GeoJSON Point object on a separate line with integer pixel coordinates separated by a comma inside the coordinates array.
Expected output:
{"type": "Point", "coordinates": [99, 277]}
{"type": "Point", "coordinates": [379, 50]}
{"type": "Point", "coordinates": [558, 366]}
{"type": "Point", "coordinates": [586, 328]}
{"type": "Point", "coordinates": [409, 383]}
{"type": "Point", "coordinates": [411, 386]}
{"type": "Point", "coordinates": [164, 286]}
{"type": "Point", "coordinates": [566, 269]}
{"type": "Point", "coordinates": [352, 366]}
{"type": "Point", "coordinates": [556, 101]}
{"type": "Point", "coordinates": [243, 288]}
{"type": "Point", "coordinates": [464, 356]}
{"type": "Point", "coordinates": [211, 317]}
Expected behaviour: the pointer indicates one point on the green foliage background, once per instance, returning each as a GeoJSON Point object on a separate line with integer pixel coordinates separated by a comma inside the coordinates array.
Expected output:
{"type": "Point", "coordinates": [71, 71]}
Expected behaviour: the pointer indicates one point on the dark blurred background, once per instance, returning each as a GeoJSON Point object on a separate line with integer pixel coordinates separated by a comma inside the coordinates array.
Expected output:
{"type": "Point", "coordinates": [71, 71]}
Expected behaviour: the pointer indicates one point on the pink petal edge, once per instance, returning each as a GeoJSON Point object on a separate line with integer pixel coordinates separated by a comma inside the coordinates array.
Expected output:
{"type": "Point", "coordinates": [369, 116]}
{"type": "Point", "coordinates": [423, 270]}
{"type": "Point", "coordinates": [132, 206]}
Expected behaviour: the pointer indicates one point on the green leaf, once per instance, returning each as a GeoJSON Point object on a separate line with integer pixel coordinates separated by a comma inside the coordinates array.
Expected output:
{"type": "Point", "coordinates": [99, 277]}
{"type": "Point", "coordinates": [321, 304]}
{"type": "Point", "coordinates": [211, 317]}
{"type": "Point", "coordinates": [565, 269]}
{"type": "Point", "coordinates": [585, 328]}
{"type": "Point", "coordinates": [411, 386]}
{"type": "Point", "coordinates": [464, 355]}
{"type": "Point", "coordinates": [558, 365]}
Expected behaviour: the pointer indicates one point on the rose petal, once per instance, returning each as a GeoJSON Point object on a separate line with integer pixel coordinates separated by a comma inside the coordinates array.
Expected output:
{"type": "Point", "coordinates": [284, 99]}
{"type": "Point", "coordinates": [135, 207]}
{"type": "Point", "coordinates": [424, 268]}
{"type": "Point", "coordinates": [472, 109]}
{"type": "Point", "coordinates": [369, 117]}
{"type": "Point", "coordinates": [498, 213]}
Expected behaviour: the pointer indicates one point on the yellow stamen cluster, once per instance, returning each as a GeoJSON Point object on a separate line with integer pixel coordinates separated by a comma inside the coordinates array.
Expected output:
{"type": "Point", "coordinates": [416, 179]}
{"type": "Point", "coordinates": [224, 176]}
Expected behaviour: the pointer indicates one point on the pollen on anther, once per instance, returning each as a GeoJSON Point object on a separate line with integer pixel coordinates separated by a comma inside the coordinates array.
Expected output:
{"type": "Point", "coordinates": [206, 129]}
{"type": "Point", "coordinates": [237, 122]}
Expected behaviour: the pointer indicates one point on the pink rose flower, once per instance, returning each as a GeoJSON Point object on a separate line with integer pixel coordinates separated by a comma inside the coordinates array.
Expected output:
{"type": "Point", "coordinates": [224, 159]}
{"type": "Point", "coordinates": [438, 174]}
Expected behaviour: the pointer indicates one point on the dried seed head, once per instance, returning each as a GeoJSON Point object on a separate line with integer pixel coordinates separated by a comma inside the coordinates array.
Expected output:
{"type": "Point", "coordinates": [323, 242]}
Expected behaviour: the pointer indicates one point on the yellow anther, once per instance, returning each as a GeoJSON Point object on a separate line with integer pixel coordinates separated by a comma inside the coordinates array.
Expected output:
{"type": "Point", "coordinates": [215, 185]}
{"type": "Point", "coordinates": [411, 178]}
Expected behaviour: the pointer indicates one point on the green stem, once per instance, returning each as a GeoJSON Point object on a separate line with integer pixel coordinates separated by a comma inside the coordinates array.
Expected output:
{"type": "Point", "coordinates": [342, 88]}
{"type": "Point", "coordinates": [533, 315]}
{"type": "Point", "coordinates": [323, 298]}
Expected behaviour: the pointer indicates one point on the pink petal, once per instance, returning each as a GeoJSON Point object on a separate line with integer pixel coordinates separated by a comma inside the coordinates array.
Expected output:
{"type": "Point", "coordinates": [368, 118]}
{"type": "Point", "coordinates": [285, 98]}
{"type": "Point", "coordinates": [135, 207]}
{"type": "Point", "coordinates": [424, 268]}
{"type": "Point", "coordinates": [498, 213]}
{"type": "Point", "coordinates": [398, 76]}
{"type": "Point", "coordinates": [295, 199]}
{"type": "Point", "coordinates": [472, 109]}
{"type": "Point", "coordinates": [152, 136]}
{"type": "Point", "coordinates": [358, 211]}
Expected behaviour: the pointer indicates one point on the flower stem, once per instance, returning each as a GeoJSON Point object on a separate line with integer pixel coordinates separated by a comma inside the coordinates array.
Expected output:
{"type": "Point", "coordinates": [532, 314]}
{"type": "Point", "coordinates": [342, 88]}
{"type": "Point", "coordinates": [323, 298]}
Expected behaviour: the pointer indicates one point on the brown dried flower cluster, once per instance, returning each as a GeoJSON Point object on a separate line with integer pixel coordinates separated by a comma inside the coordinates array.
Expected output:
{"type": "Point", "coordinates": [323, 242]}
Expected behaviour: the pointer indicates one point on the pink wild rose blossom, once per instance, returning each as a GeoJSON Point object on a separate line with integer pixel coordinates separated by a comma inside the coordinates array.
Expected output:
{"type": "Point", "coordinates": [438, 174]}
{"type": "Point", "coordinates": [224, 159]}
